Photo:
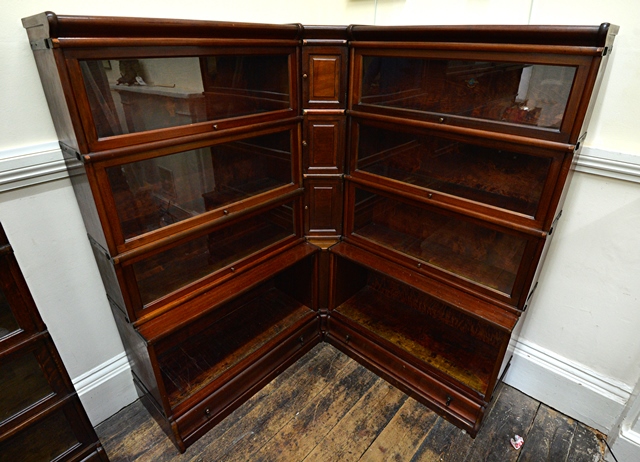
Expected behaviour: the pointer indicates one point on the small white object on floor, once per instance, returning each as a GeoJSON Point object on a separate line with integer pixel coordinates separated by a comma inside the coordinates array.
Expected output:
{"type": "Point", "coordinates": [517, 442]}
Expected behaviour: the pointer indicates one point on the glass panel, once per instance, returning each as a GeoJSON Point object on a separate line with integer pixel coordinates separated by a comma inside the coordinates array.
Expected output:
{"type": "Point", "coordinates": [526, 94]}
{"type": "Point", "coordinates": [214, 346]}
{"type": "Point", "coordinates": [43, 441]}
{"type": "Point", "coordinates": [485, 256]}
{"type": "Point", "coordinates": [167, 271]}
{"type": "Point", "coordinates": [23, 384]}
{"type": "Point", "coordinates": [427, 329]}
{"type": "Point", "coordinates": [135, 95]}
{"type": "Point", "coordinates": [153, 193]}
{"type": "Point", "coordinates": [8, 323]}
{"type": "Point", "coordinates": [503, 179]}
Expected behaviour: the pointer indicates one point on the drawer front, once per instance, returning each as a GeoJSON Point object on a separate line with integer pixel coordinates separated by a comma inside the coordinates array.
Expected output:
{"type": "Point", "coordinates": [324, 76]}
{"type": "Point", "coordinates": [323, 144]}
{"type": "Point", "coordinates": [235, 390]}
{"type": "Point", "coordinates": [437, 395]}
{"type": "Point", "coordinates": [323, 206]}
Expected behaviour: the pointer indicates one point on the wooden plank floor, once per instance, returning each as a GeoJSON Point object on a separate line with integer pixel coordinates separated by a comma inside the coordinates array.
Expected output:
{"type": "Point", "coordinates": [327, 407]}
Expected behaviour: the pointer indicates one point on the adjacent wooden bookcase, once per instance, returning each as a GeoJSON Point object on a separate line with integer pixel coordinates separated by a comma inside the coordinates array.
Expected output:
{"type": "Point", "coordinates": [250, 190]}
{"type": "Point", "coordinates": [41, 417]}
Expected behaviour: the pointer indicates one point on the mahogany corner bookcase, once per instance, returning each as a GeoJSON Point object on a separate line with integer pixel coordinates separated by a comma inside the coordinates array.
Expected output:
{"type": "Point", "coordinates": [250, 190]}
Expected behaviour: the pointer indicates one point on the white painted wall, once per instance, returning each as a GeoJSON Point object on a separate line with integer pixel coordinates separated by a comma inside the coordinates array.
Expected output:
{"type": "Point", "coordinates": [580, 330]}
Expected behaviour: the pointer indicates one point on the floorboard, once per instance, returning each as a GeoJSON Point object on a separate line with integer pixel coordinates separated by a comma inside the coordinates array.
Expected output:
{"type": "Point", "coordinates": [327, 407]}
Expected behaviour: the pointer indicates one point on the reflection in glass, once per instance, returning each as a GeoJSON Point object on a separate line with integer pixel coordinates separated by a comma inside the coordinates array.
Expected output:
{"type": "Point", "coordinates": [504, 179]}
{"type": "Point", "coordinates": [172, 269]}
{"type": "Point", "coordinates": [23, 384]}
{"type": "Point", "coordinates": [156, 192]}
{"type": "Point", "coordinates": [525, 94]}
{"type": "Point", "coordinates": [8, 323]}
{"type": "Point", "coordinates": [483, 255]}
{"type": "Point", "coordinates": [46, 440]}
{"type": "Point", "coordinates": [135, 95]}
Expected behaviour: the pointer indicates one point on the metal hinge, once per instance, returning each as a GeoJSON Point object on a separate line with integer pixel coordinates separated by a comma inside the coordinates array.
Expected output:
{"type": "Point", "coordinates": [42, 44]}
{"type": "Point", "coordinates": [70, 152]}
{"type": "Point", "coordinates": [526, 304]}
{"type": "Point", "coordinates": [579, 142]}
{"type": "Point", "coordinates": [554, 222]}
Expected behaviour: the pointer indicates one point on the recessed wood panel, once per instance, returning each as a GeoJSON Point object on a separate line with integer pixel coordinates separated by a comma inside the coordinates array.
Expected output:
{"type": "Point", "coordinates": [324, 75]}
{"type": "Point", "coordinates": [325, 83]}
{"type": "Point", "coordinates": [324, 150]}
{"type": "Point", "coordinates": [323, 206]}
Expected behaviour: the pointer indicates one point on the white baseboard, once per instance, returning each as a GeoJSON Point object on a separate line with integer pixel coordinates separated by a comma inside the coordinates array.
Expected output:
{"type": "Point", "coordinates": [106, 389]}
{"type": "Point", "coordinates": [626, 447]}
{"type": "Point", "coordinates": [566, 386]}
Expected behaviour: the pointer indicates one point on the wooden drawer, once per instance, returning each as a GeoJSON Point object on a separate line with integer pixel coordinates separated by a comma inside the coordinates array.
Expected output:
{"type": "Point", "coordinates": [442, 398]}
{"type": "Point", "coordinates": [232, 393]}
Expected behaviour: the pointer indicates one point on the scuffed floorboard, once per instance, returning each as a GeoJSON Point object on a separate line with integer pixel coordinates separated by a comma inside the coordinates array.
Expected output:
{"type": "Point", "coordinates": [326, 407]}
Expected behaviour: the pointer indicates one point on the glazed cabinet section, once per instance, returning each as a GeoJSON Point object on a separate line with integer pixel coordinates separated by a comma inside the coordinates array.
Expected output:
{"type": "Point", "coordinates": [460, 151]}
{"type": "Point", "coordinates": [41, 417]}
{"type": "Point", "coordinates": [183, 144]}
{"type": "Point", "coordinates": [180, 221]}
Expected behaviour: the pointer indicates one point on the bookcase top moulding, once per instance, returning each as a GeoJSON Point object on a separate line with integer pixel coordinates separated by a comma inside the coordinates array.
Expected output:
{"type": "Point", "coordinates": [52, 25]}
